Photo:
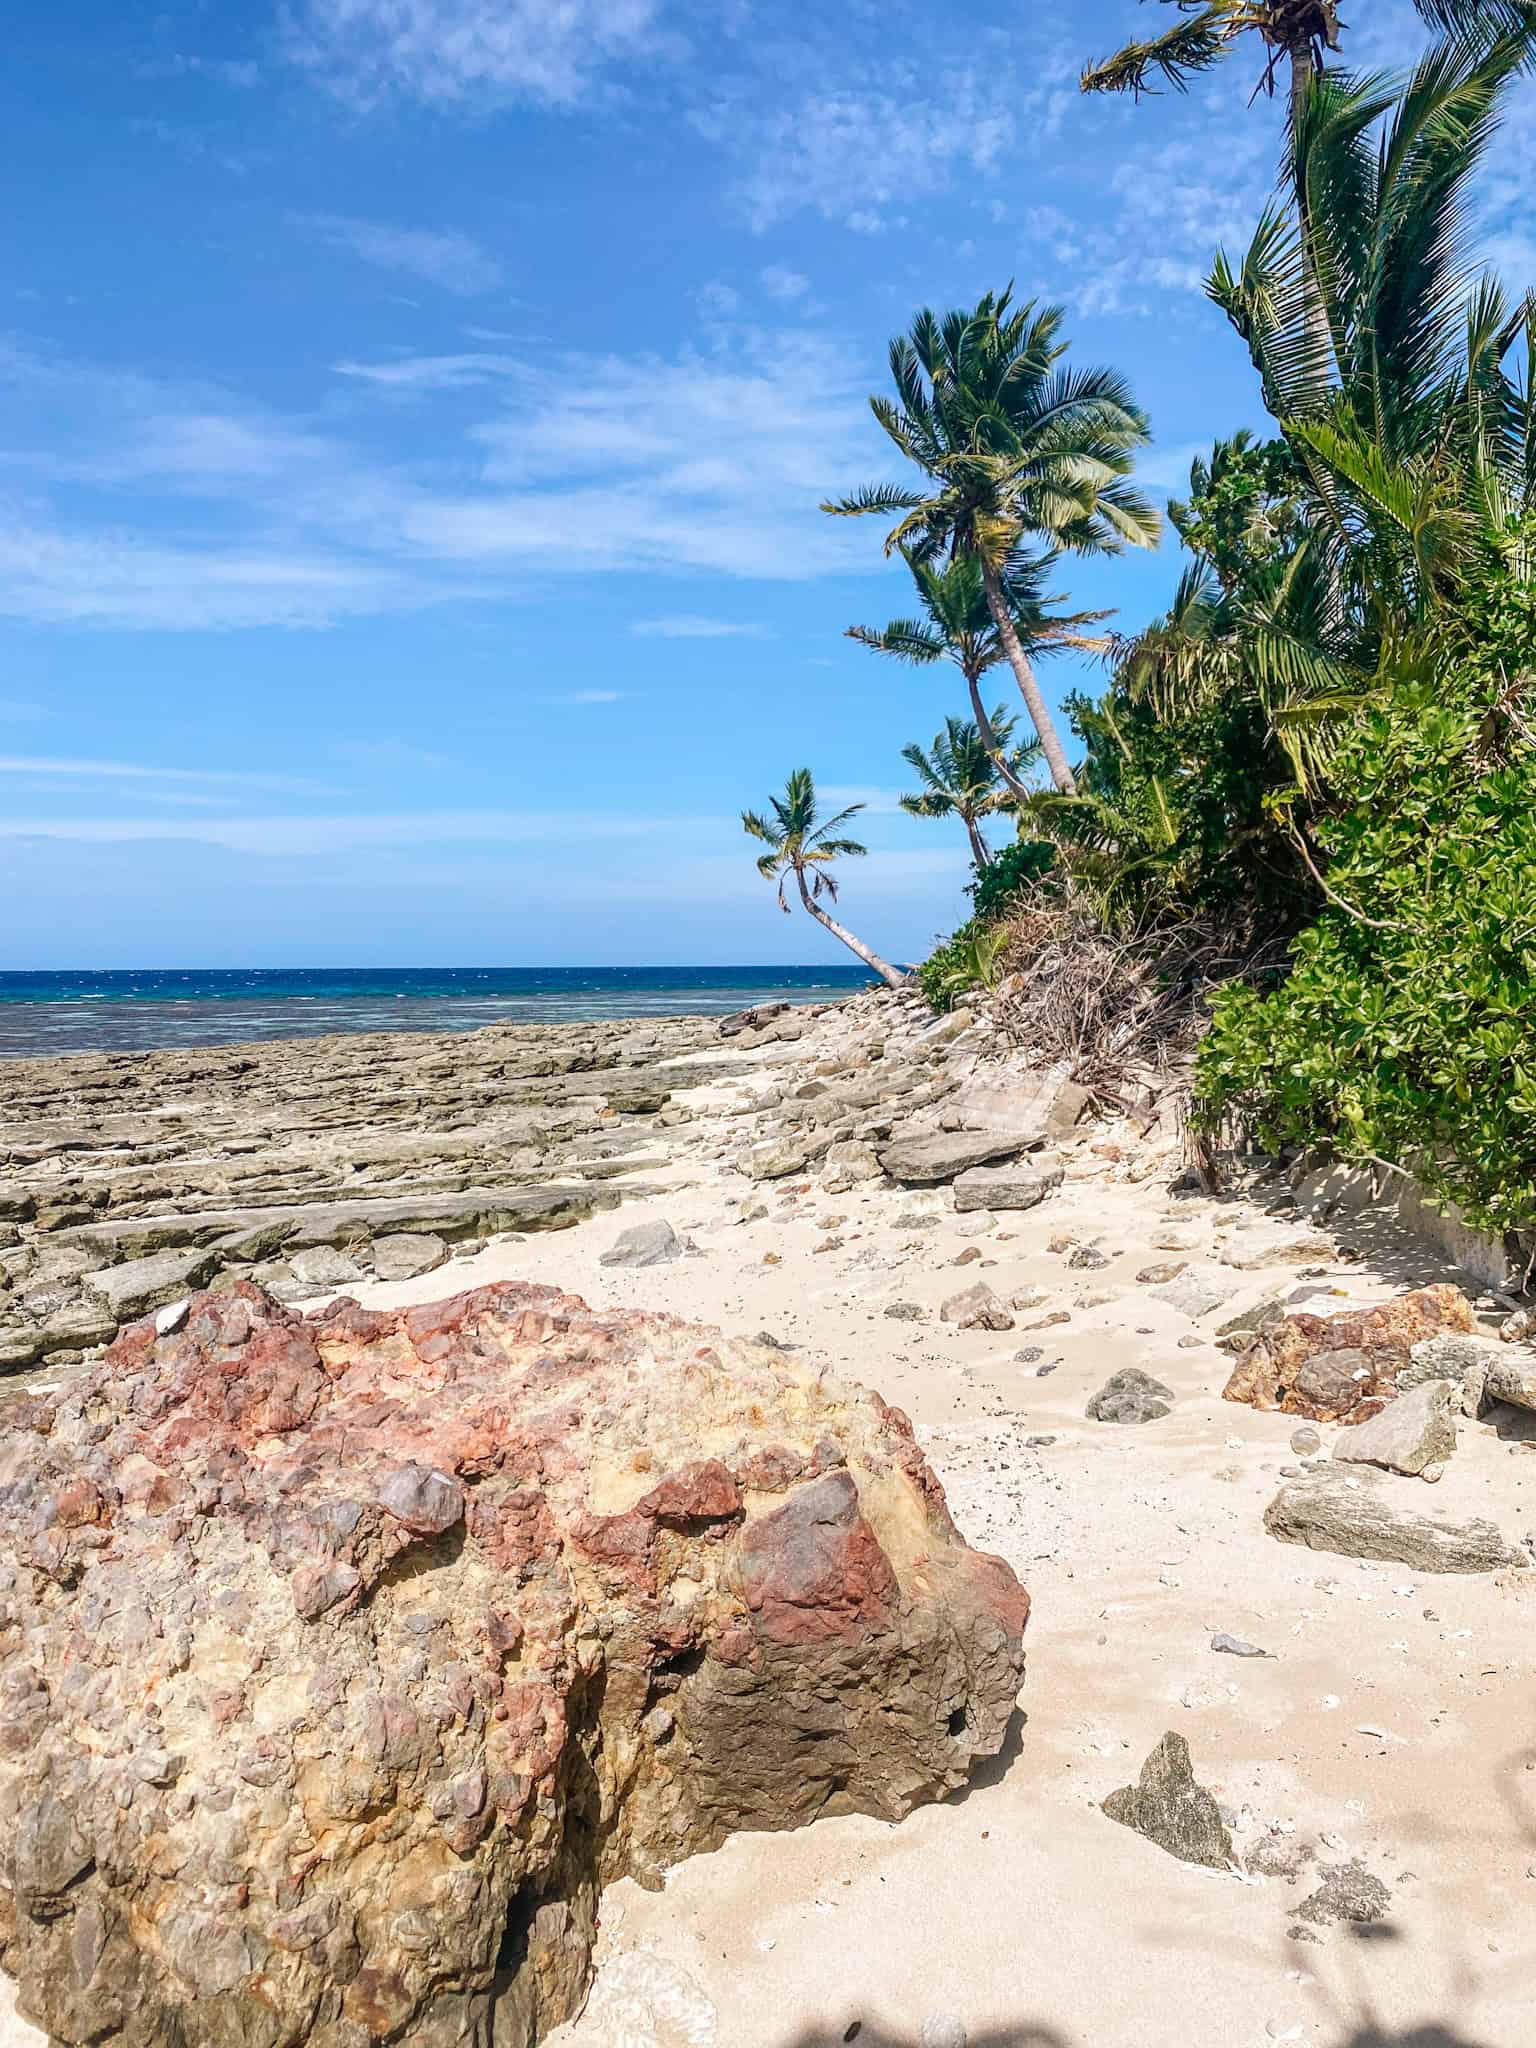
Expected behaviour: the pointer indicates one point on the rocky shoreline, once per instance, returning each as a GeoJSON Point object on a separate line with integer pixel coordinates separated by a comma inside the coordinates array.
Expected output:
{"type": "Point", "coordinates": [129, 1180]}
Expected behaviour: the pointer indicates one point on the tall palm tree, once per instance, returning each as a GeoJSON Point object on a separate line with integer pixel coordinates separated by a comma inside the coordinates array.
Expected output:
{"type": "Point", "coordinates": [802, 843]}
{"type": "Point", "coordinates": [958, 626]}
{"type": "Point", "coordinates": [1415, 441]}
{"type": "Point", "coordinates": [1298, 35]}
{"type": "Point", "coordinates": [960, 778]}
{"type": "Point", "coordinates": [1011, 447]}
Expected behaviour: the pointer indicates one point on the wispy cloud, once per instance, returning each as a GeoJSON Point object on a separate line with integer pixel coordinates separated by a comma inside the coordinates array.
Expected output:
{"type": "Point", "coordinates": [207, 512]}
{"type": "Point", "coordinates": [780, 283]}
{"type": "Point", "coordinates": [432, 373]}
{"type": "Point", "coordinates": [442, 51]}
{"type": "Point", "coordinates": [855, 151]}
{"type": "Point", "coordinates": [580, 697]}
{"type": "Point", "coordinates": [440, 256]}
{"type": "Point", "coordinates": [689, 626]}
{"type": "Point", "coordinates": [298, 836]}
{"type": "Point", "coordinates": [84, 770]}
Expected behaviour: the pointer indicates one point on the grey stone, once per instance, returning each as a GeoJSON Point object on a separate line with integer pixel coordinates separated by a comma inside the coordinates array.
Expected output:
{"type": "Point", "coordinates": [1234, 1646]}
{"type": "Point", "coordinates": [322, 1266]}
{"type": "Point", "coordinates": [1088, 1258]}
{"type": "Point", "coordinates": [905, 1312]}
{"type": "Point", "coordinates": [1130, 1396]}
{"type": "Point", "coordinates": [1415, 1430]}
{"type": "Point", "coordinates": [777, 1159]}
{"type": "Point", "coordinates": [940, 2030]}
{"type": "Point", "coordinates": [427, 1502]}
{"type": "Point", "coordinates": [1512, 1380]}
{"type": "Point", "coordinates": [1454, 1355]}
{"type": "Point", "coordinates": [1326, 1511]}
{"type": "Point", "coordinates": [1193, 1294]}
{"type": "Point", "coordinates": [1172, 1810]}
{"type": "Point", "coordinates": [644, 1244]}
{"type": "Point", "coordinates": [853, 1160]}
{"type": "Point", "coordinates": [406, 1254]}
{"type": "Point", "coordinates": [1348, 1892]}
{"type": "Point", "coordinates": [1005, 1187]}
{"type": "Point", "coordinates": [924, 1158]}
{"type": "Point", "coordinates": [138, 1285]}
{"type": "Point", "coordinates": [1306, 1441]}
{"type": "Point", "coordinates": [976, 1308]}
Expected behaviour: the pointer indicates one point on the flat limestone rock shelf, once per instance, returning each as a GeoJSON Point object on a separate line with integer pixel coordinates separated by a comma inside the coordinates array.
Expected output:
{"type": "Point", "coordinates": [345, 1658]}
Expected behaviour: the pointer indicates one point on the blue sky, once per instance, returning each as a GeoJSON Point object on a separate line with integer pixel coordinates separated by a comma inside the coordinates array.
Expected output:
{"type": "Point", "coordinates": [414, 418]}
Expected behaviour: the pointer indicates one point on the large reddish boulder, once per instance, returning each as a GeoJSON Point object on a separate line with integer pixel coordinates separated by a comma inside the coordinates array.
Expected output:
{"type": "Point", "coordinates": [345, 1658]}
{"type": "Point", "coordinates": [1343, 1368]}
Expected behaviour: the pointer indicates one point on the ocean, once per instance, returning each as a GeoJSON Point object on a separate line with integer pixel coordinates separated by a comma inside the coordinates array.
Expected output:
{"type": "Point", "coordinates": [143, 1010]}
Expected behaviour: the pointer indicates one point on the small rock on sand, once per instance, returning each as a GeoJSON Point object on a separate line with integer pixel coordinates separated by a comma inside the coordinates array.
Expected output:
{"type": "Point", "coordinates": [644, 1244]}
{"type": "Point", "coordinates": [1130, 1396]}
{"type": "Point", "coordinates": [407, 1254]}
{"type": "Point", "coordinates": [976, 1308]}
{"type": "Point", "coordinates": [1416, 1430]}
{"type": "Point", "coordinates": [1169, 1808]}
{"type": "Point", "coordinates": [1326, 1511]}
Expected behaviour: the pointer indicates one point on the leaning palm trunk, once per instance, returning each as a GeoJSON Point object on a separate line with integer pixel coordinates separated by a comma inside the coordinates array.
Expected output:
{"type": "Point", "coordinates": [990, 740]}
{"type": "Point", "coordinates": [887, 973]}
{"type": "Point", "coordinates": [981, 853]}
{"type": "Point", "coordinates": [1029, 689]}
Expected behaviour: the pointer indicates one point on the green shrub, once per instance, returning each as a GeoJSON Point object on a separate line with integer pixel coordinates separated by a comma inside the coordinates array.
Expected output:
{"type": "Point", "coordinates": [968, 959]}
{"type": "Point", "coordinates": [1406, 1031]}
{"type": "Point", "coordinates": [1019, 866]}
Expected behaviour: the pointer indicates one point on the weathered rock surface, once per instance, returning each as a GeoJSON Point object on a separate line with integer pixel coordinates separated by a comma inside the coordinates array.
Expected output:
{"type": "Point", "coordinates": [245, 1152]}
{"type": "Point", "coordinates": [407, 1254]}
{"type": "Point", "coordinates": [924, 1158]}
{"type": "Point", "coordinates": [1343, 1367]}
{"type": "Point", "coordinates": [1130, 1396]}
{"type": "Point", "coordinates": [1512, 1380]}
{"type": "Point", "coordinates": [1006, 1187]}
{"type": "Point", "coordinates": [976, 1308]}
{"type": "Point", "coordinates": [140, 1284]}
{"type": "Point", "coordinates": [345, 1658]}
{"type": "Point", "coordinates": [1416, 1430]}
{"type": "Point", "coordinates": [1170, 1808]}
{"type": "Point", "coordinates": [644, 1244]}
{"type": "Point", "coordinates": [1326, 1512]}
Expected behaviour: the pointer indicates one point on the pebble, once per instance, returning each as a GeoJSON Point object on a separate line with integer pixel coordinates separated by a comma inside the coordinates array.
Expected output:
{"type": "Point", "coordinates": [942, 2031]}
{"type": "Point", "coordinates": [1028, 1356]}
{"type": "Point", "coordinates": [1306, 1442]}
{"type": "Point", "coordinates": [1234, 1646]}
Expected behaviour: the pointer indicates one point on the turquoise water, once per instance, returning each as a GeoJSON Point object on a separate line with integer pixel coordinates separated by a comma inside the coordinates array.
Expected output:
{"type": "Point", "coordinates": [141, 1010]}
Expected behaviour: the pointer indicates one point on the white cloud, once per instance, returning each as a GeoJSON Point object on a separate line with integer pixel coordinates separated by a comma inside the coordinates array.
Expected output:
{"type": "Point", "coordinates": [717, 300]}
{"type": "Point", "coordinates": [431, 373]}
{"type": "Point", "coordinates": [121, 579]}
{"type": "Point", "coordinates": [564, 697]}
{"type": "Point", "coordinates": [442, 51]}
{"type": "Point", "coordinates": [851, 152]}
{"type": "Point", "coordinates": [440, 256]}
{"type": "Point", "coordinates": [50, 766]}
{"type": "Point", "coordinates": [688, 626]}
{"type": "Point", "coordinates": [780, 283]}
{"type": "Point", "coordinates": [303, 836]}
{"type": "Point", "coordinates": [228, 516]}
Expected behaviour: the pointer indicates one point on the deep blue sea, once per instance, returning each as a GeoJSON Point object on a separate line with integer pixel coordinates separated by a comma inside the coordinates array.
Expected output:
{"type": "Point", "coordinates": [140, 1010]}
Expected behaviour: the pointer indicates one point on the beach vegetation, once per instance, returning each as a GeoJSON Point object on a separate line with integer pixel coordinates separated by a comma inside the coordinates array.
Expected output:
{"type": "Point", "coordinates": [802, 846]}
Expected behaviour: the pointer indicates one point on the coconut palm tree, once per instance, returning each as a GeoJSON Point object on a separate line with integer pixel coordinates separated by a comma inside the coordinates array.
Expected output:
{"type": "Point", "coordinates": [1297, 35]}
{"type": "Point", "coordinates": [1415, 442]}
{"type": "Point", "coordinates": [802, 843]}
{"type": "Point", "coordinates": [960, 778]}
{"type": "Point", "coordinates": [1011, 447]}
{"type": "Point", "coordinates": [958, 626]}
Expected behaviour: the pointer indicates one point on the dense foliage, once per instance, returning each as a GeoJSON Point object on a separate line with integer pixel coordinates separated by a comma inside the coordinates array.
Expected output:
{"type": "Point", "coordinates": [1405, 1031]}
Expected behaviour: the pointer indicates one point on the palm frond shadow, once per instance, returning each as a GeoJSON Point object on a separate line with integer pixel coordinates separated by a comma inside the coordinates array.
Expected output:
{"type": "Point", "coordinates": [1026, 2034]}
{"type": "Point", "coordinates": [1034, 2034]}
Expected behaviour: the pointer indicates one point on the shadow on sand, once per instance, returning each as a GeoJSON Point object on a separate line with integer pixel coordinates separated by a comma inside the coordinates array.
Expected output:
{"type": "Point", "coordinates": [1030, 2034]}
